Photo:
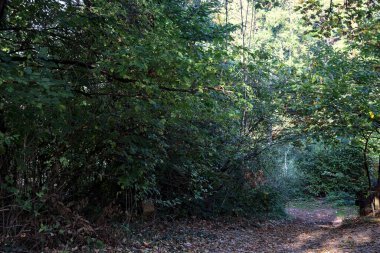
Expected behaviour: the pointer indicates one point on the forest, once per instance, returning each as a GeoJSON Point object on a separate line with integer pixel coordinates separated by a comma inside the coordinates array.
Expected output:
{"type": "Point", "coordinates": [189, 126]}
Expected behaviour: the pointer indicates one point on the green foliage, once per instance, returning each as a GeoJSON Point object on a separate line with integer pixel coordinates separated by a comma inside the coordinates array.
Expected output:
{"type": "Point", "coordinates": [331, 169]}
{"type": "Point", "coordinates": [354, 21]}
{"type": "Point", "coordinates": [104, 105]}
{"type": "Point", "coordinates": [334, 99]}
{"type": "Point", "coordinates": [100, 100]}
{"type": "Point", "coordinates": [341, 198]}
{"type": "Point", "coordinates": [266, 200]}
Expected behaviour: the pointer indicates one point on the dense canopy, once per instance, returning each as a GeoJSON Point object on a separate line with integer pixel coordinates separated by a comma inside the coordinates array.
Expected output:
{"type": "Point", "coordinates": [119, 109]}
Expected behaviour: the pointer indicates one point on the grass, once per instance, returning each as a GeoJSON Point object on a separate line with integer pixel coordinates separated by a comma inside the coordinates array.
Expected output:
{"type": "Point", "coordinates": [347, 211]}
{"type": "Point", "coordinates": [306, 204]}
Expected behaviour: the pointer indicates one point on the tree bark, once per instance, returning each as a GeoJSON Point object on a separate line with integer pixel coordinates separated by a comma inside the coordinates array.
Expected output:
{"type": "Point", "coordinates": [3, 157]}
{"type": "Point", "coordinates": [378, 173]}
{"type": "Point", "coordinates": [3, 3]}
{"type": "Point", "coordinates": [364, 200]}
{"type": "Point", "coordinates": [366, 165]}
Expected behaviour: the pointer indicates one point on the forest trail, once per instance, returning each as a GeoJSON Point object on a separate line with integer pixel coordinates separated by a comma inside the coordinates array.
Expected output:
{"type": "Point", "coordinates": [317, 213]}
{"type": "Point", "coordinates": [309, 230]}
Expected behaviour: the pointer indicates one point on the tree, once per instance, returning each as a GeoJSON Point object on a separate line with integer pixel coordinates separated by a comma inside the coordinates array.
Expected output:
{"type": "Point", "coordinates": [337, 94]}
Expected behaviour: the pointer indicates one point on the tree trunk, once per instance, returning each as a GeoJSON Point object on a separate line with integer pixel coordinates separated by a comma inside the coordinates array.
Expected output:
{"type": "Point", "coordinates": [365, 203]}
{"type": "Point", "coordinates": [377, 189]}
{"type": "Point", "coordinates": [365, 200]}
{"type": "Point", "coordinates": [4, 166]}
{"type": "Point", "coordinates": [366, 165]}
{"type": "Point", "coordinates": [3, 3]}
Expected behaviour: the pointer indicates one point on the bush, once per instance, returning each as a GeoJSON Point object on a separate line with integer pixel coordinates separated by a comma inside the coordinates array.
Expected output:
{"type": "Point", "coordinates": [330, 169]}
{"type": "Point", "coordinates": [341, 199]}
{"type": "Point", "coordinates": [259, 202]}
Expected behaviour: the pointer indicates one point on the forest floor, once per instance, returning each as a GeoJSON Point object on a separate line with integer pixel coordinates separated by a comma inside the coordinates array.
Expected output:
{"type": "Point", "coordinates": [310, 228]}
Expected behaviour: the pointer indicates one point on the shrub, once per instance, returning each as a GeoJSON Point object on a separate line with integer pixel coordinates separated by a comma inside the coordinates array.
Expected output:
{"type": "Point", "coordinates": [341, 198]}
{"type": "Point", "coordinates": [331, 169]}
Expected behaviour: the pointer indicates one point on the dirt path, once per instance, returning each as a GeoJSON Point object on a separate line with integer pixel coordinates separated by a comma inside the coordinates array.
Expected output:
{"type": "Point", "coordinates": [310, 230]}
{"type": "Point", "coordinates": [318, 214]}
{"type": "Point", "coordinates": [321, 230]}
{"type": "Point", "coordinates": [288, 237]}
